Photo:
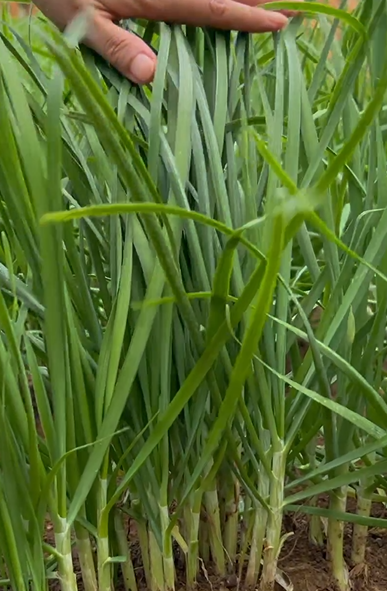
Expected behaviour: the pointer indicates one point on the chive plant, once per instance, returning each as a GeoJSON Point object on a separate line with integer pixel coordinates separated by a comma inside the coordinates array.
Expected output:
{"type": "Point", "coordinates": [163, 251]}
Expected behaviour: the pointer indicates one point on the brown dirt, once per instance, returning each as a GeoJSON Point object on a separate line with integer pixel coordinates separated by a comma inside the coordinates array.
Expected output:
{"type": "Point", "coordinates": [303, 563]}
{"type": "Point", "coordinates": [307, 567]}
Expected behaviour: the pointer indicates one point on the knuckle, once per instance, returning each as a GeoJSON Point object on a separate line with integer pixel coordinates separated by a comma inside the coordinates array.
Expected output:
{"type": "Point", "coordinates": [115, 46]}
{"type": "Point", "coordinates": [150, 9]}
{"type": "Point", "coordinates": [218, 7]}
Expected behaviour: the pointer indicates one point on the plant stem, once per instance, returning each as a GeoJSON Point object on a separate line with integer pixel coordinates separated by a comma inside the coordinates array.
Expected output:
{"type": "Point", "coordinates": [211, 501]}
{"type": "Point", "coordinates": [258, 534]}
{"type": "Point", "coordinates": [315, 530]}
{"type": "Point", "coordinates": [63, 546]}
{"type": "Point", "coordinates": [156, 564]}
{"type": "Point", "coordinates": [104, 570]}
{"type": "Point", "coordinates": [231, 519]}
{"type": "Point", "coordinates": [338, 501]}
{"type": "Point", "coordinates": [364, 506]}
{"type": "Point", "coordinates": [204, 544]}
{"type": "Point", "coordinates": [360, 532]}
{"type": "Point", "coordinates": [168, 562]}
{"type": "Point", "coordinates": [193, 540]}
{"type": "Point", "coordinates": [274, 523]}
{"type": "Point", "coordinates": [86, 560]}
{"type": "Point", "coordinates": [256, 547]}
{"type": "Point", "coordinates": [128, 573]}
{"type": "Point", "coordinates": [145, 552]}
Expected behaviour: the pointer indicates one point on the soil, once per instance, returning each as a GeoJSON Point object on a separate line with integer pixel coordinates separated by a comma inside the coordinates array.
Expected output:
{"type": "Point", "coordinates": [307, 567]}
{"type": "Point", "coordinates": [304, 564]}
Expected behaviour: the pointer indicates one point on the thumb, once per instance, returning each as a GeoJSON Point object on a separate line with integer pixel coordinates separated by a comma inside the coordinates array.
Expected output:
{"type": "Point", "coordinates": [125, 51]}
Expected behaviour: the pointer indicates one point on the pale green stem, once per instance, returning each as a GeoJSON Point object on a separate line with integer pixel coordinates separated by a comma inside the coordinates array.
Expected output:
{"type": "Point", "coordinates": [338, 502]}
{"type": "Point", "coordinates": [204, 542]}
{"type": "Point", "coordinates": [316, 535]}
{"type": "Point", "coordinates": [168, 561]}
{"type": "Point", "coordinates": [258, 533]}
{"type": "Point", "coordinates": [256, 547]}
{"type": "Point", "coordinates": [364, 506]}
{"type": "Point", "coordinates": [104, 564]}
{"type": "Point", "coordinates": [248, 519]}
{"type": "Point", "coordinates": [360, 532]}
{"type": "Point", "coordinates": [211, 501]}
{"type": "Point", "coordinates": [246, 532]}
{"type": "Point", "coordinates": [128, 573]}
{"type": "Point", "coordinates": [274, 522]}
{"type": "Point", "coordinates": [86, 560]}
{"type": "Point", "coordinates": [156, 564]}
{"type": "Point", "coordinates": [315, 528]}
{"type": "Point", "coordinates": [185, 525]}
{"type": "Point", "coordinates": [145, 552]}
{"type": "Point", "coordinates": [67, 576]}
{"type": "Point", "coordinates": [231, 521]}
{"type": "Point", "coordinates": [193, 540]}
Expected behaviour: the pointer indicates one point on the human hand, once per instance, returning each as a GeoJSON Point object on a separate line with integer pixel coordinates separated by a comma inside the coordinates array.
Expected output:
{"type": "Point", "coordinates": [129, 54]}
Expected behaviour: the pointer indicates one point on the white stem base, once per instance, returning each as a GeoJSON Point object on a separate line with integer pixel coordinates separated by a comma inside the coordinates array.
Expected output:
{"type": "Point", "coordinates": [67, 576]}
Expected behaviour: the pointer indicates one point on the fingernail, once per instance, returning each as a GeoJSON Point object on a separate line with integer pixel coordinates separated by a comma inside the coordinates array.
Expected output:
{"type": "Point", "coordinates": [279, 21]}
{"type": "Point", "coordinates": [142, 68]}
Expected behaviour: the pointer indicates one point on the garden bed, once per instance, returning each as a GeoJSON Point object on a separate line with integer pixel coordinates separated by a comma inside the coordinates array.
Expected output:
{"type": "Point", "coordinates": [304, 564]}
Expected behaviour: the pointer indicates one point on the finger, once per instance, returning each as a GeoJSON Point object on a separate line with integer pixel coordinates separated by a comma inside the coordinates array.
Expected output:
{"type": "Point", "coordinates": [288, 13]}
{"type": "Point", "coordinates": [59, 13]}
{"type": "Point", "coordinates": [125, 51]}
{"type": "Point", "coordinates": [220, 14]}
